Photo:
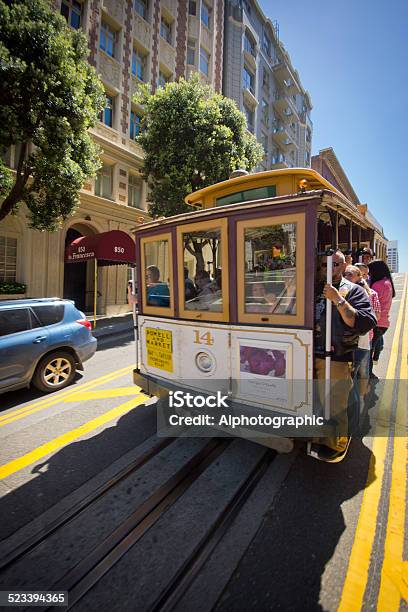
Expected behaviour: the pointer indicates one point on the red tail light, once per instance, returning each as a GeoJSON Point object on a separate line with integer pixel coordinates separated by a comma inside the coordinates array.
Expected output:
{"type": "Point", "coordinates": [85, 323]}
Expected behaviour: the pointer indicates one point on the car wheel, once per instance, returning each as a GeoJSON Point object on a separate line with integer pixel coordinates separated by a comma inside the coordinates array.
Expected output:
{"type": "Point", "coordinates": [55, 371]}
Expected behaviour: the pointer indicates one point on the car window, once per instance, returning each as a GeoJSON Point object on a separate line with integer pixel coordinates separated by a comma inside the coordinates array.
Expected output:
{"type": "Point", "coordinates": [50, 314]}
{"type": "Point", "coordinates": [13, 321]}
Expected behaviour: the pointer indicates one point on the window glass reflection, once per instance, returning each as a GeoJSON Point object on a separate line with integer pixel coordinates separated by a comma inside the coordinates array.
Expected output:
{"type": "Point", "coordinates": [202, 270]}
{"type": "Point", "coordinates": [270, 269]}
{"type": "Point", "coordinates": [157, 273]}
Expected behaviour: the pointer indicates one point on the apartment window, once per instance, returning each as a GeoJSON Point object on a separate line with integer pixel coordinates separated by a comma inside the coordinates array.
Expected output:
{"type": "Point", "coordinates": [204, 61]}
{"type": "Point", "coordinates": [249, 114]}
{"type": "Point", "coordinates": [165, 30]}
{"type": "Point", "coordinates": [134, 192]}
{"type": "Point", "coordinates": [108, 39]}
{"type": "Point", "coordinates": [106, 115]}
{"type": "Point", "coordinates": [265, 79]}
{"type": "Point", "coordinates": [72, 11]}
{"type": "Point", "coordinates": [139, 65]}
{"type": "Point", "coordinates": [248, 80]}
{"type": "Point", "coordinates": [141, 7]}
{"type": "Point", "coordinates": [104, 182]}
{"type": "Point", "coordinates": [191, 47]}
{"type": "Point", "coordinates": [8, 259]}
{"type": "Point", "coordinates": [135, 125]}
{"type": "Point", "coordinates": [249, 45]}
{"type": "Point", "coordinates": [264, 142]}
{"type": "Point", "coordinates": [163, 79]}
{"type": "Point", "coordinates": [192, 7]}
{"type": "Point", "coordinates": [247, 7]}
{"type": "Point", "coordinates": [278, 157]}
{"type": "Point", "coordinates": [265, 111]}
{"type": "Point", "coordinates": [266, 44]}
{"type": "Point", "coordinates": [205, 15]}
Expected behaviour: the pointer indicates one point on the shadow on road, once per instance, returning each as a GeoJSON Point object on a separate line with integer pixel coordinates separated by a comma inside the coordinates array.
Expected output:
{"type": "Point", "coordinates": [115, 340]}
{"type": "Point", "coordinates": [10, 399]}
{"type": "Point", "coordinates": [284, 565]}
{"type": "Point", "coordinates": [72, 466]}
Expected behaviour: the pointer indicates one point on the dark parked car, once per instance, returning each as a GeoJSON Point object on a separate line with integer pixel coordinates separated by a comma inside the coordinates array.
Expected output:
{"type": "Point", "coordinates": [42, 341]}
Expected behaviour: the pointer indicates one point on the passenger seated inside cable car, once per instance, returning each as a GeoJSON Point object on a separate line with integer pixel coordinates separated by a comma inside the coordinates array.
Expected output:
{"type": "Point", "coordinates": [158, 293]}
{"type": "Point", "coordinates": [202, 250]}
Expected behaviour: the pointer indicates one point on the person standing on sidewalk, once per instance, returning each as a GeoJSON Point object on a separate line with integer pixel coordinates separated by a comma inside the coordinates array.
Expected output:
{"type": "Point", "coordinates": [381, 282]}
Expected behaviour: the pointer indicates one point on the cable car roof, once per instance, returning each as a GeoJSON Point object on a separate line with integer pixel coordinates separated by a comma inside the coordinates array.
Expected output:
{"type": "Point", "coordinates": [288, 178]}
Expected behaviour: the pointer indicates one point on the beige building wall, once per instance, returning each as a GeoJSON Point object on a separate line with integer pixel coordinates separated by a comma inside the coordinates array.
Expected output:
{"type": "Point", "coordinates": [159, 32]}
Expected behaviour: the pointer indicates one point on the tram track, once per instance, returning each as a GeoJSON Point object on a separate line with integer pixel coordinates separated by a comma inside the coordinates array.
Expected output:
{"type": "Point", "coordinates": [82, 576]}
{"type": "Point", "coordinates": [38, 538]}
{"type": "Point", "coordinates": [78, 581]}
{"type": "Point", "coordinates": [191, 567]}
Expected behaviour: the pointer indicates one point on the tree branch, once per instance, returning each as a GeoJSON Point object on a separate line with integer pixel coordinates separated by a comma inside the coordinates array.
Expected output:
{"type": "Point", "coordinates": [21, 179]}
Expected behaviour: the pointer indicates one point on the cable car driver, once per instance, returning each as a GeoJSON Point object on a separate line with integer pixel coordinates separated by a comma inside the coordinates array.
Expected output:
{"type": "Point", "coordinates": [352, 316]}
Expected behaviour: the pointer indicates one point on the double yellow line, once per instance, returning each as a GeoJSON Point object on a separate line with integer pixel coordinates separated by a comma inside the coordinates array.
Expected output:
{"type": "Point", "coordinates": [394, 573]}
{"type": "Point", "coordinates": [57, 443]}
{"type": "Point", "coordinates": [16, 415]}
{"type": "Point", "coordinates": [357, 574]}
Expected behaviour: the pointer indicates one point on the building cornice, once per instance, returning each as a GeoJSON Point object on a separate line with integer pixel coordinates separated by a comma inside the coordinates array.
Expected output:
{"type": "Point", "coordinates": [118, 212]}
{"type": "Point", "coordinates": [120, 152]}
{"type": "Point", "coordinates": [329, 156]}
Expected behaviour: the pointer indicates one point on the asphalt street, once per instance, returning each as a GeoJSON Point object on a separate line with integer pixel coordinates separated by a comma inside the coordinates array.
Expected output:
{"type": "Point", "coordinates": [310, 536]}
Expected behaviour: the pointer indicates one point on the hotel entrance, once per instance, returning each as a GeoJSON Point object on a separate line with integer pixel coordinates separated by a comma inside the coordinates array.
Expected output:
{"type": "Point", "coordinates": [75, 276]}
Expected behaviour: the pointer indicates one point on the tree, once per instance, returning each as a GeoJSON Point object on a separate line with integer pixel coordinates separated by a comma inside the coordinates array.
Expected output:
{"type": "Point", "coordinates": [191, 137]}
{"type": "Point", "coordinates": [49, 96]}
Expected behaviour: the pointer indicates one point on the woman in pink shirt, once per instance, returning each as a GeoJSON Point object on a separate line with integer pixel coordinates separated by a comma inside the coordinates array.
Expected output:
{"type": "Point", "coordinates": [381, 282]}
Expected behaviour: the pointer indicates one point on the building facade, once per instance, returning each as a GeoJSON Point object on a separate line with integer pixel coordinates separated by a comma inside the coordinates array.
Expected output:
{"type": "Point", "coordinates": [259, 76]}
{"type": "Point", "coordinates": [349, 235]}
{"type": "Point", "coordinates": [130, 41]}
{"type": "Point", "coordinates": [392, 256]}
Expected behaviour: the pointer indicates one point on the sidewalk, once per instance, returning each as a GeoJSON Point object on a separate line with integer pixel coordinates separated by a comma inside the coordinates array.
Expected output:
{"type": "Point", "coordinates": [109, 326]}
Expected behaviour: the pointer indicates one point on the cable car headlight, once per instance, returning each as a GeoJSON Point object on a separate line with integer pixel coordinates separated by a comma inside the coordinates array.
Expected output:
{"type": "Point", "coordinates": [205, 362]}
{"type": "Point", "coordinates": [303, 185]}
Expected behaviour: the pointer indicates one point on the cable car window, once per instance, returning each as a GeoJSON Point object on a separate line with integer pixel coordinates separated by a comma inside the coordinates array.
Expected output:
{"type": "Point", "coordinates": [157, 265]}
{"type": "Point", "coordinates": [270, 274]}
{"type": "Point", "coordinates": [203, 270]}
{"type": "Point", "coordinates": [269, 191]}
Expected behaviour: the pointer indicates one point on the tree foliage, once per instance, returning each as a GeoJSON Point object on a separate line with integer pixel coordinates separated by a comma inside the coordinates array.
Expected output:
{"type": "Point", "coordinates": [49, 96]}
{"type": "Point", "coordinates": [191, 137]}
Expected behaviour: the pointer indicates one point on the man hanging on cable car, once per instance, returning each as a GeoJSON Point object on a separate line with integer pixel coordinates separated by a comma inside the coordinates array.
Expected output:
{"type": "Point", "coordinates": [352, 316]}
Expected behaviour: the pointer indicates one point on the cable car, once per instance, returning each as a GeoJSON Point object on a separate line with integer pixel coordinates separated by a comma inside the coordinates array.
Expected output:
{"type": "Point", "coordinates": [226, 298]}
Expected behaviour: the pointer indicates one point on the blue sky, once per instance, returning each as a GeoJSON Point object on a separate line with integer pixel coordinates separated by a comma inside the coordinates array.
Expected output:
{"type": "Point", "coordinates": [352, 57]}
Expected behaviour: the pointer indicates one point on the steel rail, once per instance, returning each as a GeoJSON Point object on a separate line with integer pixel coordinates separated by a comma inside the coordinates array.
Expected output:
{"type": "Point", "coordinates": [72, 513]}
{"type": "Point", "coordinates": [92, 568]}
{"type": "Point", "coordinates": [179, 584]}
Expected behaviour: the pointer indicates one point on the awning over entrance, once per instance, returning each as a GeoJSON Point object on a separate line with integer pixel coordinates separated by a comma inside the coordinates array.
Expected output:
{"type": "Point", "coordinates": [108, 248]}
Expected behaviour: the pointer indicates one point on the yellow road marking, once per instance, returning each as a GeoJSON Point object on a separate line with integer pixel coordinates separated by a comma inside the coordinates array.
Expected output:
{"type": "Point", "coordinates": [359, 563]}
{"type": "Point", "coordinates": [394, 573]}
{"type": "Point", "coordinates": [53, 445]}
{"type": "Point", "coordinates": [102, 394]}
{"type": "Point", "coordinates": [56, 399]}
